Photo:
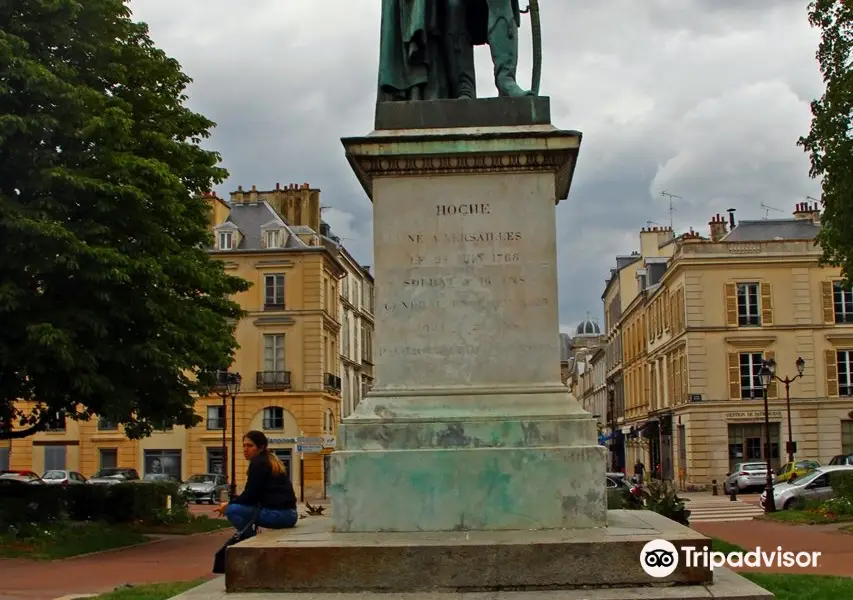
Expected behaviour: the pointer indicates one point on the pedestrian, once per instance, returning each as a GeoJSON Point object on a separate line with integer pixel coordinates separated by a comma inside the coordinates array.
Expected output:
{"type": "Point", "coordinates": [268, 497]}
{"type": "Point", "coordinates": [639, 469]}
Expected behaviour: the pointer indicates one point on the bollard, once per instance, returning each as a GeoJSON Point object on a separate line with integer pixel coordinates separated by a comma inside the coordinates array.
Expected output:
{"type": "Point", "coordinates": [169, 503]}
{"type": "Point", "coordinates": [714, 490]}
{"type": "Point", "coordinates": [733, 494]}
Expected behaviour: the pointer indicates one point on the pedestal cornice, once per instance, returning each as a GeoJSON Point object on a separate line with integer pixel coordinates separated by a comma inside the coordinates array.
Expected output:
{"type": "Point", "coordinates": [483, 150]}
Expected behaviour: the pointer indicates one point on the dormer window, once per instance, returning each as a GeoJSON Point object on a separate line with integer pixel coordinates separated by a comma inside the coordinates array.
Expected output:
{"type": "Point", "coordinates": [226, 240]}
{"type": "Point", "coordinates": [273, 239]}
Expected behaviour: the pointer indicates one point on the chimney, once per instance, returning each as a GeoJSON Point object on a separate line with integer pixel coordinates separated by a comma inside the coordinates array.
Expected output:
{"type": "Point", "coordinates": [718, 227]}
{"type": "Point", "coordinates": [731, 212]}
{"type": "Point", "coordinates": [805, 211]}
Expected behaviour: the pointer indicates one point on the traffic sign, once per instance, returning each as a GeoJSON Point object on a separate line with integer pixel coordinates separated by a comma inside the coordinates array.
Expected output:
{"type": "Point", "coordinates": [309, 448]}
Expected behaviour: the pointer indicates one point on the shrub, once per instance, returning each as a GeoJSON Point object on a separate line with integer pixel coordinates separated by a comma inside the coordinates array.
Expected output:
{"type": "Point", "coordinates": [662, 498]}
{"type": "Point", "coordinates": [119, 503]}
{"type": "Point", "coordinates": [842, 484]}
{"type": "Point", "coordinates": [23, 504]}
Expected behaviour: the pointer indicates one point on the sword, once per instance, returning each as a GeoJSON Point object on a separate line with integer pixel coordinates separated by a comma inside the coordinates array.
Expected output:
{"type": "Point", "coordinates": [536, 24]}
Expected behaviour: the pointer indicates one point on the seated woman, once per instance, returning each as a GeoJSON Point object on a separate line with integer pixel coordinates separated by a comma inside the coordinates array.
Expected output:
{"type": "Point", "coordinates": [268, 487]}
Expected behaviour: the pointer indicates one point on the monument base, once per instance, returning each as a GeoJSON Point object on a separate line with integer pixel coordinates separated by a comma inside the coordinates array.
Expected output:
{"type": "Point", "coordinates": [311, 562]}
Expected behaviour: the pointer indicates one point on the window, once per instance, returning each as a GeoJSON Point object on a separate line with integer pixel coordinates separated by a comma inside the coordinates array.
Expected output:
{"type": "Point", "coordinates": [846, 437]}
{"type": "Point", "coordinates": [274, 418]}
{"type": "Point", "coordinates": [226, 240]}
{"type": "Point", "coordinates": [108, 458]}
{"type": "Point", "coordinates": [163, 462]}
{"type": "Point", "coordinates": [216, 417]}
{"type": "Point", "coordinates": [272, 239]}
{"type": "Point", "coordinates": [843, 302]}
{"type": "Point", "coordinates": [750, 382]}
{"type": "Point", "coordinates": [216, 461]}
{"type": "Point", "coordinates": [54, 458]}
{"type": "Point", "coordinates": [328, 422]}
{"type": "Point", "coordinates": [57, 423]}
{"type": "Point", "coordinates": [106, 425]}
{"type": "Point", "coordinates": [748, 305]}
{"type": "Point", "coordinates": [274, 352]}
{"type": "Point", "coordinates": [345, 334]}
{"type": "Point", "coordinates": [845, 372]}
{"type": "Point", "coordinates": [274, 291]}
{"type": "Point", "coordinates": [4, 459]}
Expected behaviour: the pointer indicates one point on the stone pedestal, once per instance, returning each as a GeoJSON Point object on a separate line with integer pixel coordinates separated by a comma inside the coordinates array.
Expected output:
{"type": "Point", "coordinates": [468, 425]}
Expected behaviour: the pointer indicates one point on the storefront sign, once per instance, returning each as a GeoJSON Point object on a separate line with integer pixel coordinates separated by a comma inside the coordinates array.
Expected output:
{"type": "Point", "coordinates": [752, 415]}
{"type": "Point", "coordinates": [283, 440]}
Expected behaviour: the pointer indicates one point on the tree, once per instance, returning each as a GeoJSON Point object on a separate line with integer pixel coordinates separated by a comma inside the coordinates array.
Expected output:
{"type": "Point", "coordinates": [829, 142]}
{"type": "Point", "coordinates": [110, 304]}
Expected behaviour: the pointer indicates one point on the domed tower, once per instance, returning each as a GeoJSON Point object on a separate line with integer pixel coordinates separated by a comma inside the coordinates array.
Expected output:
{"type": "Point", "coordinates": [587, 334]}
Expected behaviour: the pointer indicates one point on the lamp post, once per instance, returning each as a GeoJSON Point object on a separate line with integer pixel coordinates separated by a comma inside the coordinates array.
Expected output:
{"type": "Point", "coordinates": [766, 375]}
{"type": "Point", "coordinates": [229, 386]}
{"type": "Point", "coordinates": [801, 367]}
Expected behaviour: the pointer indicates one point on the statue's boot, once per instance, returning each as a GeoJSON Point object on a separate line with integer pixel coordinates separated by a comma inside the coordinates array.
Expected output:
{"type": "Point", "coordinates": [460, 51]}
{"type": "Point", "coordinates": [503, 42]}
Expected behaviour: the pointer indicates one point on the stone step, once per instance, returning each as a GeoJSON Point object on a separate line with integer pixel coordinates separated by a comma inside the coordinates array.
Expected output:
{"type": "Point", "coordinates": [727, 585]}
{"type": "Point", "coordinates": [312, 558]}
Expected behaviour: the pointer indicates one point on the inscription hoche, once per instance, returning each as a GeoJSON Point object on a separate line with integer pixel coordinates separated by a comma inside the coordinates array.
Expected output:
{"type": "Point", "coordinates": [470, 279]}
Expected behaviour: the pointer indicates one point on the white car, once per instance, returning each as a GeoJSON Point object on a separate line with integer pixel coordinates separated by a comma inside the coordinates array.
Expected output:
{"type": "Point", "coordinates": [811, 486]}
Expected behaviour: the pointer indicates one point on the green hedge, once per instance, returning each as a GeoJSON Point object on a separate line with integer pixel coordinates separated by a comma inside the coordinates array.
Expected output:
{"type": "Point", "coordinates": [842, 484]}
{"type": "Point", "coordinates": [119, 503]}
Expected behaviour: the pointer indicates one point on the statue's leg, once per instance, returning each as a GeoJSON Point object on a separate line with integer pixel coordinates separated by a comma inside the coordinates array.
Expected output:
{"type": "Point", "coordinates": [503, 42]}
{"type": "Point", "coordinates": [460, 51]}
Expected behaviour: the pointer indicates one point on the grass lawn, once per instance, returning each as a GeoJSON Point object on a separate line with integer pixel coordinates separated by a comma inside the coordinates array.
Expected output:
{"type": "Point", "coordinates": [201, 524]}
{"type": "Point", "coordinates": [803, 587]}
{"type": "Point", "coordinates": [64, 541]}
{"type": "Point", "coordinates": [804, 517]}
{"type": "Point", "coordinates": [718, 545]}
{"type": "Point", "coordinates": [153, 591]}
{"type": "Point", "coordinates": [73, 539]}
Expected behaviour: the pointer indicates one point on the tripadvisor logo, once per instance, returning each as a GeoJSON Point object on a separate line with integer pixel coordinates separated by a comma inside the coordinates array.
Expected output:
{"type": "Point", "coordinates": [660, 558]}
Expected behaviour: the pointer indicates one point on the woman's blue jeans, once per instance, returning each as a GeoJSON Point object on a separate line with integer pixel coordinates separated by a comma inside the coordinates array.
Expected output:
{"type": "Point", "coordinates": [240, 514]}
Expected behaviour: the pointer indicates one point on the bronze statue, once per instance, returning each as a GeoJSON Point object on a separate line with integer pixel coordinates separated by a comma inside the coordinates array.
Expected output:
{"type": "Point", "coordinates": [427, 47]}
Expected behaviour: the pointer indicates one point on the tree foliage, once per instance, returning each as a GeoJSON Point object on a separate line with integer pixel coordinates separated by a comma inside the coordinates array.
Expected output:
{"type": "Point", "coordinates": [110, 304]}
{"type": "Point", "coordinates": [829, 141]}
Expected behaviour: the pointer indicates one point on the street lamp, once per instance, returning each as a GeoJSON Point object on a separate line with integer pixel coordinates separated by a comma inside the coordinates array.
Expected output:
{"type": "Point", "coordinates": [229, 385]}
{"type": "Point", "coordinates": [801, 367]}
{"type": "Point", "coordinates": [767, 374]}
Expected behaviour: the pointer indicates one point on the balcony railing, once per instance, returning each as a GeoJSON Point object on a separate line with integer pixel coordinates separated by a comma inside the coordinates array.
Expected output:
{"type": "Point", "coordinates": [332, 382]}
{"type": "Point", "coordinates": [273, 380]}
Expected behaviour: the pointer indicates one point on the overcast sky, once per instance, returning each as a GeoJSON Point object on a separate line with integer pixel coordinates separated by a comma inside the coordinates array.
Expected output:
{"type": "Point", "coordinates": [704, 99]}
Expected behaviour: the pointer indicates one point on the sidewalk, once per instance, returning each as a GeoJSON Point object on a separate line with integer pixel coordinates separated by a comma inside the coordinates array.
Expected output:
{"type": "Point", "coordinates": [170, 559]}
{"type": "Point", "coordinates": [836, 547]}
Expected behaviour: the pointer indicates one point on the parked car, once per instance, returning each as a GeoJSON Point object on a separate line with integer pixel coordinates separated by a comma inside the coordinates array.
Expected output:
{"type": "Point", "coordinates": [205, 487]}
{"type": "Point", "coordinates": [160, 477]}
{"type": "Point", "coordinates": [793, 470]}
{"type": "Point", "coordinates": [811, 486]}
{"type": "Point", "coordinates": [62, 477]}
{"type": "Point", "coordinates": [841, 459]}
{"type": "Point", "coordinates": [21, 477]}
{"type": "Point", "coordinates": [746, 476]}
{"type": "Point", "coordinates": [113, 476]}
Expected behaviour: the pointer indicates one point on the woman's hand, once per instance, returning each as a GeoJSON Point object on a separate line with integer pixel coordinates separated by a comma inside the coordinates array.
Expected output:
{"type": "Point", "coordinates": [221, 508]}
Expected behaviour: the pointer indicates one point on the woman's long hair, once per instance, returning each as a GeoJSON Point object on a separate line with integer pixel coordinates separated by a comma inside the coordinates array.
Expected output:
{"type": "Point", "coordinates": [260, 440]}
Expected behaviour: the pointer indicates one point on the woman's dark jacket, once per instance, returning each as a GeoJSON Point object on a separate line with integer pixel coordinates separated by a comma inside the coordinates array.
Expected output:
{"type": "Point", "coordinates": [267, 489]}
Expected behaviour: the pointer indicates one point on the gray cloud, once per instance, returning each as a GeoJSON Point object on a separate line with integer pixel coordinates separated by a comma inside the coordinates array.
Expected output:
{"type": "Point", "coordinates": [702, 98]}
